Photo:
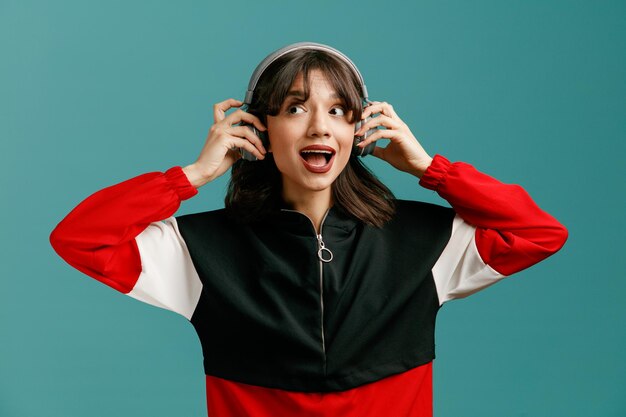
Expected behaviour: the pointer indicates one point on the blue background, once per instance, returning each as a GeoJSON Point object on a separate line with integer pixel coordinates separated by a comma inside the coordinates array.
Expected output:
{"type": "Point", "coordinates": [534, 93]}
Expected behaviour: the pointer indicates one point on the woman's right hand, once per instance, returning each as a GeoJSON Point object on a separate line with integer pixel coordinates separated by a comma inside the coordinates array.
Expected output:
{"type": "Point", "coordinates": [221, 148]}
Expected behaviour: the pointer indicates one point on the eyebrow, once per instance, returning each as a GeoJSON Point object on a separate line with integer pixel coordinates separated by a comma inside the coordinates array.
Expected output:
{"type": "Point", "coordinates": [300, 94]}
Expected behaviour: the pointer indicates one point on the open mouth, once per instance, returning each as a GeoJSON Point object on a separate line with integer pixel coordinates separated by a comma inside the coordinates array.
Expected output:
{"type": "Point", "coordinates": [317, 158]}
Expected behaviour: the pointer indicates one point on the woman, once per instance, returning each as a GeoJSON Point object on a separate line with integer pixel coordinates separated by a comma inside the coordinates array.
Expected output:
{"type": "Point", "coordinates": [314, 292]}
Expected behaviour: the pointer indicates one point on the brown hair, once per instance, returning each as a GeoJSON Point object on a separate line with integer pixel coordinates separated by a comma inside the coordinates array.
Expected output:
{"type": "Point", "coordinates": [255, 187]}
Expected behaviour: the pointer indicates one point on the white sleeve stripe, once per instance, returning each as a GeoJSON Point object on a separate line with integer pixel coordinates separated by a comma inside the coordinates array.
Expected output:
{"type": "Point", "coordinates": [168, 277]}
{"type": "Point", "coordinates": [460, 271]}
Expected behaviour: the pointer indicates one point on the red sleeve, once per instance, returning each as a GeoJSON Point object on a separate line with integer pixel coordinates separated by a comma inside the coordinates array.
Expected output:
{"type": "Point", "coordinates": [512, 232]}
{"type": "Point", "coordinates": [98, 236]}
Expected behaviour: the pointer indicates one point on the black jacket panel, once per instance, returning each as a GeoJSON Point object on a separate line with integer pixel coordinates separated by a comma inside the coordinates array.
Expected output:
{"type": "Point", "coordinates": [267, 317]}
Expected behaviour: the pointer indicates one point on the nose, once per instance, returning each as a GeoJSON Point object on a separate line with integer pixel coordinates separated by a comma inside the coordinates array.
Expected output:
{"type": "Point", "coordinates": [319, 126]}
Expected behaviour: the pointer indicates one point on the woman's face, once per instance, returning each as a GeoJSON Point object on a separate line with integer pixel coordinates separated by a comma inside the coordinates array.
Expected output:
{"type": "Point", "coordinates": [311, 140]}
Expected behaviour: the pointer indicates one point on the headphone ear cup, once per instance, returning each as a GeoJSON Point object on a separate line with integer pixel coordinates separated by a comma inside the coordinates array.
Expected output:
{"type": "Point", "coordinates": [248, 156]}
{"type": "Point", "coordinates": [369, 149]}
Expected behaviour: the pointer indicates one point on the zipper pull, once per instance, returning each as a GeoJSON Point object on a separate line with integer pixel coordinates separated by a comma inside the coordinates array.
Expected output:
{"type": "Point", "coordinates": [323, 253]}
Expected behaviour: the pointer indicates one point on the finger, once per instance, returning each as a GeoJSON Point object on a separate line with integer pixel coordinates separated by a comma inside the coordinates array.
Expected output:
{"type": "Point", "coordinates": [237, 142]}
{"type": "Point", "coordinates": [381, 120]}
{"type": "Point", "coordinates": [220, 108]}
{"type": "Point", "coordinates": [379, 134]}
{"type": "Point", "coordinates": [379, 107]}
{"type": "Point", "coordinates": [247, 133]}
{"type": "Point", "coordinates": [246, 117]}
{"type": "Point", "coordinates": [391, 111]}
{"type": "Point", "coordinates": [367, 110]}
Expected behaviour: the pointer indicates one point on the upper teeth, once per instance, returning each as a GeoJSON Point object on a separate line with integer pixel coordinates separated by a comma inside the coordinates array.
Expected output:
{"type": "Point", "coordinates": [316, 151]}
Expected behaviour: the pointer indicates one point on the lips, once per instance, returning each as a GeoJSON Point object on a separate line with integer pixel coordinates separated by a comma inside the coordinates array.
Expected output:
{"type": "Point", "coordinates": [317, 158]}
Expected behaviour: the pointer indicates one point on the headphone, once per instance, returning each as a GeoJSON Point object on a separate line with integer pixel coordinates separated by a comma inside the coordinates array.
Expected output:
{"type": "Point", "coordinates": [256, 75]}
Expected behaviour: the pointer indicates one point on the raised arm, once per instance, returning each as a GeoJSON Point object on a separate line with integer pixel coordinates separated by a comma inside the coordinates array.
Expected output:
{"type": "Point", "coordinates": [116, 236]}
{"type": "Point", "coordinates": [126, 236]}
{"type": "Point", "coordinates": [513, 232]}
{"type": "Point", "coordinates": [499, 229]}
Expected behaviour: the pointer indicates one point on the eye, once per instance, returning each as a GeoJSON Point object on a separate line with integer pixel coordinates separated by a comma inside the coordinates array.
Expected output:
{"type": "Point", "coordinates": [342, 111]}
{"type": "Point", "coordinates": [289, 109]}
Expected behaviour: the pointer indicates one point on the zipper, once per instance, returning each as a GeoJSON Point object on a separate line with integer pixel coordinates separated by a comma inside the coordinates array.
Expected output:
{"type": "Point", "coordinates": [324, 255]}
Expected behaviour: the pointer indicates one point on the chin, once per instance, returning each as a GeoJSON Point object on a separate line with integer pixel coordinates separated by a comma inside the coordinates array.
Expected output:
{"type": "Point", "coordinates": [319, 185]}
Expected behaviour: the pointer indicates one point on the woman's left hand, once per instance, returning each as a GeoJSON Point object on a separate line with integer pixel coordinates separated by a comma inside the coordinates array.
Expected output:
{"type": "Point", "coordinates": [404, 152]}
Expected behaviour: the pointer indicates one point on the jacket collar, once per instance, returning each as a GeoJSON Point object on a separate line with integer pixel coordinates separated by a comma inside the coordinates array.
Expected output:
{"type": "Point", "coordinates": [336, 222]}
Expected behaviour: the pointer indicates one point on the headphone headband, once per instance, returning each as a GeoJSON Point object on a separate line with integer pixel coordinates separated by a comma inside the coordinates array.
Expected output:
{"type": "Point", "coordinates": [256, 75]}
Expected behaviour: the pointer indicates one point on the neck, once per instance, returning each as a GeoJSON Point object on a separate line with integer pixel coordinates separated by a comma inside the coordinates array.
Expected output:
{"type": "Point", "coordinates": [313, 204]}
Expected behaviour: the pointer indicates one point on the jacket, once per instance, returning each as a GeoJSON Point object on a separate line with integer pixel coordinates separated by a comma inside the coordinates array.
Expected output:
{"type": "Point", "coordinates": [295, 323]}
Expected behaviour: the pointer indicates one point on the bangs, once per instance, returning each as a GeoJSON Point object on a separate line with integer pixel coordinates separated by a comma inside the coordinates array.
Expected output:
{"type": "Point", "coordinates": [286, 69]}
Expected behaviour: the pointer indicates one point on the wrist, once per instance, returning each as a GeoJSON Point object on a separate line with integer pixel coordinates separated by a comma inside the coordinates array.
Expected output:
{"type": "Point", "coordinates": [194, 175]}
{"type": "Point", "coordinates": [179, 182]}
{"type": "Point", "coordinates": [436, 173]}
{"type": "Point", "coordinates": [421, 166]}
